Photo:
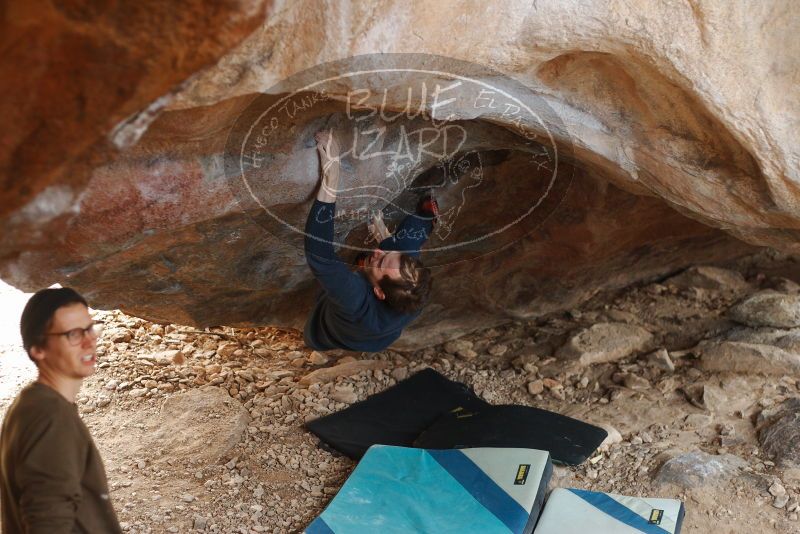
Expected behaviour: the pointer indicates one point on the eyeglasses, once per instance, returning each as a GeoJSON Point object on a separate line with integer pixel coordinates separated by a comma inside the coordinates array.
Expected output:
{"type": "Point", "coordinates": [76, 335]}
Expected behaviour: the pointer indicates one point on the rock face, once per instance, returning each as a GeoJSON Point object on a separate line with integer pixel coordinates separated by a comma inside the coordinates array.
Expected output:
{"type": "Point", "coordinates": [85, 68]}
{"type": "Point", "coordinates": [667, 156]}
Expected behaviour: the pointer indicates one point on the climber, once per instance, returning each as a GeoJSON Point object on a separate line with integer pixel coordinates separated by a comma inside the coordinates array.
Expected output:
{"type": "Point", "coordinates": [51, 475]}
{"type": "Point", "coordinates": [365, 309]}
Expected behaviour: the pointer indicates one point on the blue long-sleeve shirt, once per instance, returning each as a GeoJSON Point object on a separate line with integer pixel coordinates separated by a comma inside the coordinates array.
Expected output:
{"type": "Point", "coordinates": [347, 314]}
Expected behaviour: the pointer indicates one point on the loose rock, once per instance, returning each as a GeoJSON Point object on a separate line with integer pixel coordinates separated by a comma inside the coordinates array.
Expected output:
{"type": "Point", "coordinates": [344, 394]}
{"type": "Point", "coordinates": [317, 358]}
{"type": "Point", "coordinates": [660, 359]}
{"type": "Point", "coordinates": [780, 434]}
{"type": "Point", "coordinates": [696, 469]}
{"type": "Point", "coordinates": [604, 342]}
{"type": "Point", "coordinates": [747, 358]}
{"type": "Point", "coordinates": [348, 368]}
{"type": "Point", "coordinates": [709, 277]}
{"type": "Point", "coordinates": [768, 308]}
{"type": "Point", "coordinates": [535, 387]}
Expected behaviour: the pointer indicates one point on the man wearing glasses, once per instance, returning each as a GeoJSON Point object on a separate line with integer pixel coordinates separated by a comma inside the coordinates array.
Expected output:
{"type": "Point", "coordinates": [52, 479]}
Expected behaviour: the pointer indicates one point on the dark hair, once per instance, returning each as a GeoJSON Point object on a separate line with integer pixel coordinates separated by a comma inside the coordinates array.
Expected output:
{"type": "Point", "coordinates": [409, 294]}
{"type": "Point", "coordinates": [37, 317]}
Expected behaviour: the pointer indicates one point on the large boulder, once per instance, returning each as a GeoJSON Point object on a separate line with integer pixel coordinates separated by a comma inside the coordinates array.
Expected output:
{"type": "Point", "coordinates": [768, 308]}
{"type": "Point", "coordinates": [766, 350]}
{"type": "Point", "coordinates": [697, 469]}
{"type": "Point", "coordinates": [665, 157]}
{"type": "Point", "coordinates": [741, 357]}
{"type": "Point", "coordinates": [779, 432]}
{"type": "Point", "coordinates": [604, 342]}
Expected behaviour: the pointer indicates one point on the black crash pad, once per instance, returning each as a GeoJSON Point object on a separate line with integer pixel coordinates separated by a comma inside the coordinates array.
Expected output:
{"type": "Point", "coordinates": [395, 416]}
{"type": "Point", "coordinates": [568, 440]}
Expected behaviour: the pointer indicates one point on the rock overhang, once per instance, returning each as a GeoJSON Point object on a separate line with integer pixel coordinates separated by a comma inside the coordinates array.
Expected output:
{"type": "Point", "coordinates": [658, 162]}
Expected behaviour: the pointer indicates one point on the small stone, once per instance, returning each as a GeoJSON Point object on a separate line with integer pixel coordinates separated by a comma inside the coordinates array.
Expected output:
{"type": "Point", "coordinates": [298, 362]}
{"type": "Point", "coordinates": [401, 373]}
{"type": "Point", "coordinates": [636, 382]}
{"type": "Point", "coordinates": [555, 387]}
{"type": "Point", "coordinates": [121, 337]}
{"type": "Point", "coordinates": [551, 383]}
{"type": "Point", "coordinates": [498, 350]}
{"type": "Point", "coordinates": [456, 345]}
{"type": "Point", "coordinates": [792, 506]}
{"type": "Point", "coordinates": [714, 398]}
{"type": "Point", "coordinates": [159, 358]}
{"type": "Point", "coordinates": [780, 501]}
{"type": "Point", "coordinates": [345, 395]}
{"type": "Point", "coordinates": [661, 360]}
{"type": "Point", "coordinates": [467, 354]}
{"type": "Point", "coordinates": [777, 489]}
{"type": "Point", "coordinates": [612, 438]}
{"type": "Point", "coordinates": [697, 420]}
{"type": "Point", "coordinates": [186, 497]}
{"type": "Point", "coordinates": [200, 523]}
{"type": "Point", "coordinates": [111, 385]}
{"type": "Point", "coordinates": [317, 358]}
{"type": "Point", "coordinates": [226, 350]}
{"type": "Point", "coordinates": [281, 373]}
{"type": "Point", "coordinates": [535, 387]}
{"type": "Point", "coordinates": [530, 368]}
{"type": "Point", "coordinates": [348, 368]}
{"type": "Point", "coordinates": [137, 392]}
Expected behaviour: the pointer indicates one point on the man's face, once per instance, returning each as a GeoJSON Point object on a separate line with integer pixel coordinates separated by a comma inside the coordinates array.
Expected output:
{"type": "Point", "coordinates": [383, 263]}
{"type": "Point", "coordinates": [57, 357]}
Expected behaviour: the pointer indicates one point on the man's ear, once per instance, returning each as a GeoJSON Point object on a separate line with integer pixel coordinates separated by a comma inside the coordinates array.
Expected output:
{"type": "Point", "coordinates": [37, 353]}
{"type": "Point", "coordinates": [379, 292]}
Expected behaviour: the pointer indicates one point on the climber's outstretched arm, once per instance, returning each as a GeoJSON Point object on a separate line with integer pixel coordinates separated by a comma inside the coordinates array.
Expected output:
{"type": "Point", "coordinates": [414, 230]}
{"type": "Point", "coordinates": [343, 286]}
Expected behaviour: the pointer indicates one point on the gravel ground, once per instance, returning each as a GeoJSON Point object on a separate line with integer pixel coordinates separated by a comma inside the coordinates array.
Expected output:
{"type": "Point", "coordinates": [201, 429]}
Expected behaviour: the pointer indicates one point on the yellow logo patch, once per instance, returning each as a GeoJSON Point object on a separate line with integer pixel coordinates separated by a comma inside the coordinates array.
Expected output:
{"type": "Point", "coordinates": [522, 474]}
